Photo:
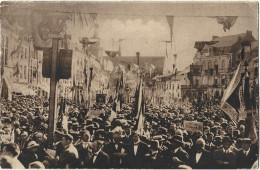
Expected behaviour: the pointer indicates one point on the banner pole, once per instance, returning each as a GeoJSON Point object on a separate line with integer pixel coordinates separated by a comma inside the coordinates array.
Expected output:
{"type": "Point", "coordinates": [53, 86]}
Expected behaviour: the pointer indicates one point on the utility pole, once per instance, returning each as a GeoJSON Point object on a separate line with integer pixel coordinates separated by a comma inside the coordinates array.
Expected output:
{"type": "Point", "coordinates": [53, 85]}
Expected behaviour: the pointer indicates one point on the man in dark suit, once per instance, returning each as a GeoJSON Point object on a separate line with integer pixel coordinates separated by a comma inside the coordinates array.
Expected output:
{"type": "Point", "coordinates": [177, 155]}
{"type": "Point", "coordinates": [116, 149]}
{"type": "Point", "coordinates": [200, 158]}
{"type": "Point", "coordinates": [224, 158]}
{"type": "Point", "coordinates": [246, 156]}
{"type": "Point", "coordinates": [137, 151]}
{"type": "Point", "coordinates": [209, 146]}
{"type": "Point", "coordinates": [99, 159]}
{"type": "Point", "coordinates": [84, 150]}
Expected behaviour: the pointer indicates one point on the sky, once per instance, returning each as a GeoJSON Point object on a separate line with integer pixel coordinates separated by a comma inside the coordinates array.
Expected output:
{"type": "Point", "coordinates": [144, 26]}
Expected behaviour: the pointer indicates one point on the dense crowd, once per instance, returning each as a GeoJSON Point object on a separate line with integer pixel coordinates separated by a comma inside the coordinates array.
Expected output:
{"type": "Point", "coordinates": [99, 142]}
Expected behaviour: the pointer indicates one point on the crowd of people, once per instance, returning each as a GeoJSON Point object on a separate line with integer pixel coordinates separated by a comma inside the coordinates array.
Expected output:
{"type": "Point", "coordinates": [101, 143]}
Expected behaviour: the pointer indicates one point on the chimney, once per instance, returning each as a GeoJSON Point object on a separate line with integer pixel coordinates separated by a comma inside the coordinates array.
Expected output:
{"type": "Point", "coordinates": [138, 57]}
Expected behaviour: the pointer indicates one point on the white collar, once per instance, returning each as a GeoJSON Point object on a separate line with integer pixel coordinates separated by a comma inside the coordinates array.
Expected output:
{"type": "Point", "coordinates": [98, 152]}
{"type": "Point", "coordinates": [226, 150]}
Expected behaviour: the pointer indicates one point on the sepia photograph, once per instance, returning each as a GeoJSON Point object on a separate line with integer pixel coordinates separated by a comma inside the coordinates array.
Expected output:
{"type": "Point", "coordinates": [129, 85]}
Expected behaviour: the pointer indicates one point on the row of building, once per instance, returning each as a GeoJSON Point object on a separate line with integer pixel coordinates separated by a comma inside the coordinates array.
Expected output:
{"type": "Point", "coordinates": [211, 71]}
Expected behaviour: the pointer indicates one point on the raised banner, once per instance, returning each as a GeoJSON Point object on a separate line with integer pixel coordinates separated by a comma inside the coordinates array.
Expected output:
{"type": "Point", "coordinates": [46, 26]}
{"type": "Point", "coordinates": [192, 127]}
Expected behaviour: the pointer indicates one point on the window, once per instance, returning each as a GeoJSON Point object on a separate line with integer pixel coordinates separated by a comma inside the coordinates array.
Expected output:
{"type": "Point", "coordinates": [223, 64]}
{"type": "Point", "coordinates": [25, 53]}
{"type": "Point", "coordinates": [21, 53]}
{"type": "Point", "coordinates": [4, 48]}
{"type": "Point", "coordinates": [21, 71]}
{"type": "Point", "coordinates": [25, 72]}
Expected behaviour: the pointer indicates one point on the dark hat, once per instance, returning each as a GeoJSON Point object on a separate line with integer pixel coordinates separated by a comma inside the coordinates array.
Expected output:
{"type": "Point", "coordinates": [58, 132]}
{"type": "Point", "coordinates": [177, 139]}
{"type": "Point", "coordinates": [226, 139]}
{"type": "Point", "coordinates": [68, 136]}
{"type": "Point", "coordinates": [218, 138]}
{"type": "Point", "coordinates": [154, 145]}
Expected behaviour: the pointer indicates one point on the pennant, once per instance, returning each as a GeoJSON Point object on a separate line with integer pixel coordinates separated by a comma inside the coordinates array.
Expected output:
{"type": "Point", "coordinates": [46, 26]}
{"type": "Point", "coordinates": [170, 20]}
{"type": "Point", "coordinates": [230, 102]}
{"type": "Point", "coordinates": [226, 21]}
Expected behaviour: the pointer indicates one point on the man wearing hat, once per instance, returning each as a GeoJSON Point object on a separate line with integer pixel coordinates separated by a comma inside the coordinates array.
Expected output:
{"type": "Point", "coordinates": [99, 159]}
{"type": "Point", "coordinates": [12, 150]}
{"type": "Point", "coordinates": [30, 155]}
{"type": "Point", "coordinates": [69, 155]}
{"type": "Point", "coordinates": [136, 152]}
{"type": "Point", "coordinates": [200, 158]}
{"type": "Point", "coordinates": [246, 156]}
{"type": "Point", "coordinates": [116, 149]}
{"type": "Point", "coordinates": [225, 158]}
{"type": "Point", "coordinates": [84, 149]}
{"type": "Point", "coordinates": [155, 159]}
{"type": "Point", "coordinates": [177, 155]}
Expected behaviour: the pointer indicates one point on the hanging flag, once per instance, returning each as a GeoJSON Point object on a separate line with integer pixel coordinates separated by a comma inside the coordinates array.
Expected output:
{"type": "Point", "coordinates": [226, 21]}
{"type": "Point", "coordinates": [140, 124]}
{"type": "Point", "coordinates": [246, 92]}
{"type": "Point", "coordinates": [112, 116]}
{"type": "Point", "coordinates": [230, 102]}
{"type": "Point", "coordinates": [18, 49]}
{"type": "Point", "coordinates": [16, 69]}
{"type": "Point", "coordinates": [46, 26]}
{"type": "Point", "coordinates": [140, 93]}
{"type": "Point", "coordinates": [170, 20]}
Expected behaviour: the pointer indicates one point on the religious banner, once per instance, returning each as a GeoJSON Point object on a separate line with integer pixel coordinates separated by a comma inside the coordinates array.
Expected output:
{"type": "Point", "coordinates": [192, 127]}
{"type": "Point", "coordinates": [46, 26]}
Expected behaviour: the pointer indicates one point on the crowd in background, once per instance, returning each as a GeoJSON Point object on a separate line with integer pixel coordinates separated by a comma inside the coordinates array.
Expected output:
{"type": "Point", "coordinates": [99, 142]}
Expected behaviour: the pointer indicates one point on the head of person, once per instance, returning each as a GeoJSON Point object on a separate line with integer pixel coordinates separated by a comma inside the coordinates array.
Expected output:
{"type": "Point", "coordinates": [135, 137]}
{"type": "Point", "coordinates": [97, 145]}
{"type": "Point", "coordinates": [177, 141]}
{"type": "Point", "coordinates": [6, 162]}
{"type": "Point", "coordinates": [227, 142]}
{"type": "Point", "coordinates": [24, 136]}
{"type": "Point", "coordinates": [11, 149]}
{"type": "Point", "coordinates": [229, 130]}
{"type": "Point", "coordinates": [39, 138]}
{"type": "Point", "coordinates": [246, 143]}
{"type": "Point", "coordinates": [66, 139]}
{"type": "Point", "coordinates": [200, 144]}
{"type": "Point", "coordinates": [242, 128]}
{"type": "Point", "coordinates": [57, 136]}
{"type": "Point", "coordinates": [32, 147]}
{"type": "Point", "coordinates": [210, 137]}
{"type": "Point", "coordinates": [36, 165]}
{"type": "Point", "coordinates": [85, 136]}
{"type": "Point", "coordinates": [116, 133]}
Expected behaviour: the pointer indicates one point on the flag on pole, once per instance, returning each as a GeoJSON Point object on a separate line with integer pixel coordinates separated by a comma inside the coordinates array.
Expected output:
{"type": "Point", "coordinates": [230, 102]}
{"type": "Point", "coordinates": [139, 98]}
{"type": "Point", "coordinates": [140, 123]}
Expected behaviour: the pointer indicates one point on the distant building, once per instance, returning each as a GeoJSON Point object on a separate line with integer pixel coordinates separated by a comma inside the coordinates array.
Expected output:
{"type": "Point", "coordinates": [216, 60]}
